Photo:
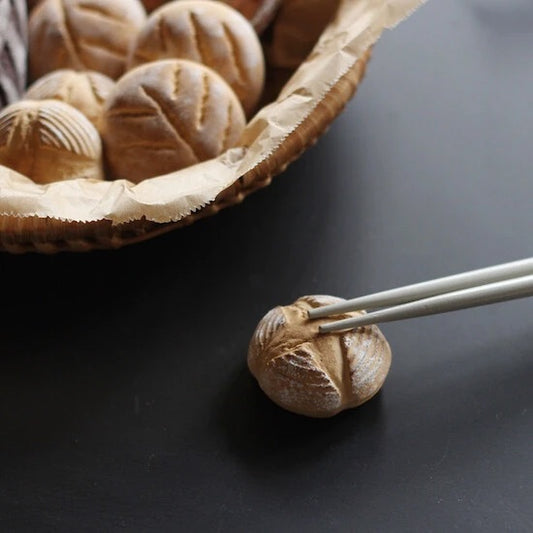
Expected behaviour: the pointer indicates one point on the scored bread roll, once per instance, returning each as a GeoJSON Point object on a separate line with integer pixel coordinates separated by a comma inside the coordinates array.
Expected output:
{"type": "Point", "coordinates": [86, 91]}
{"type": "Point", "coordinates": [210, 33]}
{"type": "Point", "coordinates": [48, 141]}
{"type": "Point", "coordinates": [83, 35]}
{"type": "Point", "coordinates": [316, 374]}
{"type": "Point", "coordinates": [167, 115]}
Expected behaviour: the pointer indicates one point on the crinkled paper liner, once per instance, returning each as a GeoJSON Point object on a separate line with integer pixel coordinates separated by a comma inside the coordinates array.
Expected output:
{"type": "Point", "coordinates": [169, 198]}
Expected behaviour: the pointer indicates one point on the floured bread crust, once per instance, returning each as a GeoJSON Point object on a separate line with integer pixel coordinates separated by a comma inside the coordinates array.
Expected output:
{"type": "Point", "coordinates": [316, 374]}
{"type": "Point", "coordinates": [83, 35]}
{"type": "Point", "coordinates": [49, 141]}
{"type": "Point", "coordinates": [167, 115]}
{"type": "Point", "coordinates": [86, 91]}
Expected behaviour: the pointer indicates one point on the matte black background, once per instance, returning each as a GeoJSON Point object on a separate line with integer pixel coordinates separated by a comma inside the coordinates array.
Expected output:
{"type": "Point", "coordinates": [125, 399]}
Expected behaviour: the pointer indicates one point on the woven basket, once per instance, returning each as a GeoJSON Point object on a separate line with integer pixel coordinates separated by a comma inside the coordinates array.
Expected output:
{"type": "Point", "coordinates": [49, 235]}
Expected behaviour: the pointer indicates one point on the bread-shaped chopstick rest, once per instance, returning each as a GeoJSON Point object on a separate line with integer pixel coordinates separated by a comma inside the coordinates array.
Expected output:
{"type": "Point", "coordinates": [86, 91]}
{"type": "Point", "coordinates": [167, 115]}
{"type": "Point", "coordinates": [314, 374]}
{"type": "Point", "coordinates": [83, 35]}
{"type": "Point", "coordinates": [210, 33]}
{"type": "Point", "coordinates": [48, 141]}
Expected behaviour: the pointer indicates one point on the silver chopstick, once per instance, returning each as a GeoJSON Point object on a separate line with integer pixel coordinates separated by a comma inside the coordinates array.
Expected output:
{"type": "Point", "coordinates": [426, 289]}
{"type": "Point", "coordinates": [500, 291]}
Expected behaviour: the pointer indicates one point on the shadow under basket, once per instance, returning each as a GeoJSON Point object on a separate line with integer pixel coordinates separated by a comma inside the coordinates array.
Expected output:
{"type": "Point", "coordinates": [49, 235]}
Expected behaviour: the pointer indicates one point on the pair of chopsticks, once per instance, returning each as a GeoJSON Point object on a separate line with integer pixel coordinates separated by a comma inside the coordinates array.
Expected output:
{"type": "Point", "coordinates": [508, 281]}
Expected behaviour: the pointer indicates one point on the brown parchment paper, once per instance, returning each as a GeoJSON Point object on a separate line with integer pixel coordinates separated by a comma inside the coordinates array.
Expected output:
{"type": "Point", "coordinates": [357, 25]}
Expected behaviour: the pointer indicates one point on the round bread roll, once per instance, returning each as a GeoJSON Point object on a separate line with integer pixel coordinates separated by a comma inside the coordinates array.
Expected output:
{"type": "Point", "coordinates": [48, 141]}
{"type": "Point", "coordinates": [210, 33]}
{"type": "Point", "coordinates": [86, 91]}
{"type": "Point", "coordinates": [83, 35]}
{"type": "Point", "coordinates": [167, 115]}
{"type": "Point", "coordinates": [316, 374]}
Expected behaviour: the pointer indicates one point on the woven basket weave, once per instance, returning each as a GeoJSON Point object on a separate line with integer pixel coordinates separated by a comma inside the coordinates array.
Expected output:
{"type": "Point", "coordinates": [47, 235]}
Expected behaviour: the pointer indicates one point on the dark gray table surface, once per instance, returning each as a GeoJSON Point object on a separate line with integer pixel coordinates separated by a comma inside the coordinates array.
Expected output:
{"type": "Point", "coordinates": [133, 410]}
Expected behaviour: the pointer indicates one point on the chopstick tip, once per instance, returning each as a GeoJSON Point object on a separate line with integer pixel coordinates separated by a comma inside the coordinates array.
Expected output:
{"type": "Point", "coordinates": [311, 314]}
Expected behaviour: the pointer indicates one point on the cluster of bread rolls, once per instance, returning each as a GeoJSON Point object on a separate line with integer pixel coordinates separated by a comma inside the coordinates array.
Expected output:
{"type": "Point", "coordinates": [145, 87]}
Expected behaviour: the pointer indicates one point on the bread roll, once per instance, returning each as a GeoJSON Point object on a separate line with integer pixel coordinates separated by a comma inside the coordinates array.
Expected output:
{"type": "Point", "coordinates": [315, 374]}
{"type": "Point", "coordinates": [167, 115]}
{"type": "Point", "coordinates": [83, 35]}
{"type": "Point", "coordinates": [13, 50]}
{"type": "Point", "coordinates": [210, 33]}
{"type": "Point", "coordinates": [49, 141]}
{"type": "Point", "coordinates": [86, 91]}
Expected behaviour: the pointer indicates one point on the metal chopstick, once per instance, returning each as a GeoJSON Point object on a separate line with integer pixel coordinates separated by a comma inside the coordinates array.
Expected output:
{"type": "Point", "coordinates": [426, 289]}
{"type": "Point", "coordinates": [500, 291]}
